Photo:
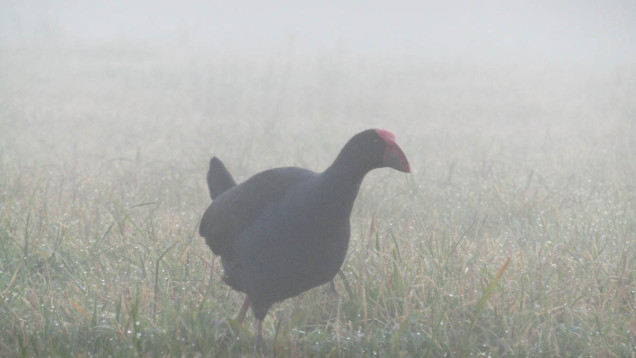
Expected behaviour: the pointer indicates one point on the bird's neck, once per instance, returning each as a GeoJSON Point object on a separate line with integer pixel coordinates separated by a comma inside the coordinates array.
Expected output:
{"type": "Point", "coordinates": [342, 184]}
{"type": "Point", "coordinates": [346, 170]}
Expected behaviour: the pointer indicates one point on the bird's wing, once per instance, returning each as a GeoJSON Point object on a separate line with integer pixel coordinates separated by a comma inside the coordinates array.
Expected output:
{"type": "Point", "coordinates": [237, 208]}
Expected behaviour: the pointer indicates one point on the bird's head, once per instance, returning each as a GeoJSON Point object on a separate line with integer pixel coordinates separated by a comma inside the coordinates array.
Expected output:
{"type": "Point", "coordinates": [371, 149]}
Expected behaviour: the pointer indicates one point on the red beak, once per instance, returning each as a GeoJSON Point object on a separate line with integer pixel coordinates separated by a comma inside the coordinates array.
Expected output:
{"type": "Point", "coordinates": [394, 157]}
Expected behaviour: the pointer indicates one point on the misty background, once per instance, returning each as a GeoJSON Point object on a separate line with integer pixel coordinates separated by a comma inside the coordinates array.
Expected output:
{"type": "Point", "coordinates": [163, 79]}
{"type": "Point", "coordinates": [563, 32]}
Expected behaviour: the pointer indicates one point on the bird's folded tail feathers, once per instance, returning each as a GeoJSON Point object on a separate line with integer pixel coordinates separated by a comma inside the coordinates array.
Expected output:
{"type": "Point", "coordinates": [219, 178]}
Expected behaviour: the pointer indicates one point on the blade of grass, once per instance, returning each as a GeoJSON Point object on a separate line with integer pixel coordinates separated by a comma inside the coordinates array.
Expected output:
{"type": "Point", "coordinates": [154, 306]}
{"type": "Point", "coordinates": [488, 293]}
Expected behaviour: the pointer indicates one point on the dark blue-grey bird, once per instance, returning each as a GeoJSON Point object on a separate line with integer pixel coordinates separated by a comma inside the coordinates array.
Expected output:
{"type": "Point", "coordinates": [286, 230]}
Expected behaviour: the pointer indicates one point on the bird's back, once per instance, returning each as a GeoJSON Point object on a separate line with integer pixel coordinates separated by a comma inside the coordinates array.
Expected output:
{"type": "Point", "coordinates": [236, 209]}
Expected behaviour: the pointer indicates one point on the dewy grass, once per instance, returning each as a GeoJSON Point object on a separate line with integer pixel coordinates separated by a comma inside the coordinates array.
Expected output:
{"type": "Point", "coordinates": [513, 236]}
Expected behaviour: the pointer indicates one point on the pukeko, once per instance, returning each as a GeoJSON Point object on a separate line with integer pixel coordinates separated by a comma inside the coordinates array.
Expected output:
{"type": "Point", "coordinates": [286, 230]}
{"type": "Point", "coordinates": [220, 180]}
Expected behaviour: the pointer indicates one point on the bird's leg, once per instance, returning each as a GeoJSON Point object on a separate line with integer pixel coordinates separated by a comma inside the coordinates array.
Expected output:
{"type": "Point", "coordinates": [240, 316]}
{"type": "Point", "coordinates": [334, 290]}
{"type": "Point", "coordinates": [259, 331]}
{"type": "Point", "coordinates": [259, 345]}
{"type": "Point", "coordinates": [212, 269]}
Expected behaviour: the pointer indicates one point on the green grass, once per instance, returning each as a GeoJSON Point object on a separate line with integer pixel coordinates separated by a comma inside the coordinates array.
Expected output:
{"type": "Point", "coordinates": [514, 236]}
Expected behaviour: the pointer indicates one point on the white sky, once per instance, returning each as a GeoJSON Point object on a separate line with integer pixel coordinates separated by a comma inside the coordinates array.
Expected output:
{"type": "Point", "coordinates": [589, 32]}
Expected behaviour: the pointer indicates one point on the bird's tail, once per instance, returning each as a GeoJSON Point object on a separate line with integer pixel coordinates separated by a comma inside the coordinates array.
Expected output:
{"type": "Point", "coordinates": [219, 178]}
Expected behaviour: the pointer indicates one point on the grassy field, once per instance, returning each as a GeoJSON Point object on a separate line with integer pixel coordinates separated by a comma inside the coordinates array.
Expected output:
{"type": "Point", "coordinates": [515, 235]}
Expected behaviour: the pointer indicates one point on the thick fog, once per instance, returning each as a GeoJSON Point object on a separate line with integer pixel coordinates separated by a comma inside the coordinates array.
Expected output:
{"type": "Point", "coordinates": [565, 32]}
